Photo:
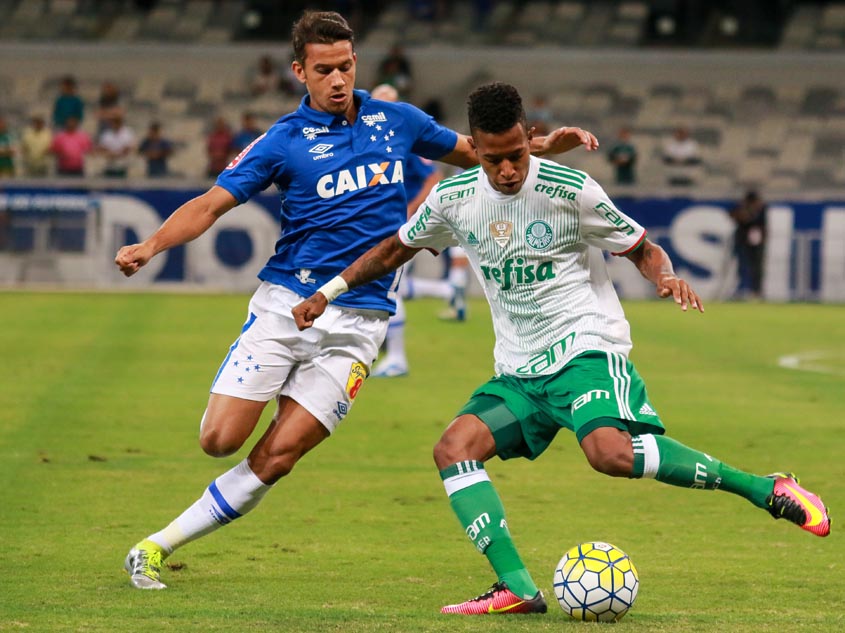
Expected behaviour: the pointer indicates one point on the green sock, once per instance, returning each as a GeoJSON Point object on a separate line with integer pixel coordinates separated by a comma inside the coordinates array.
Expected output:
{"type": "Point", "coordinates": [479, 509]}
{"type": "Point", "coordinates": [669, 461]}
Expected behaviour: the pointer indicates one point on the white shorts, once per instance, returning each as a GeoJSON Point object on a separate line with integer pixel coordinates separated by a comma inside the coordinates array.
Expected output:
{"type": "Point", "coordinates": [321, 368]}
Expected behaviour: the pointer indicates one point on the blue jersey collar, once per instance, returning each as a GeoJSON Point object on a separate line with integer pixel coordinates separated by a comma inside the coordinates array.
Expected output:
{"type": "Point", "coordinates": [326, 118]}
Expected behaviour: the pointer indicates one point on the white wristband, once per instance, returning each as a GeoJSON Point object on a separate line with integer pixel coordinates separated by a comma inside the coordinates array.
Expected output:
{"type": "Point", "coordinates": [334, 288]}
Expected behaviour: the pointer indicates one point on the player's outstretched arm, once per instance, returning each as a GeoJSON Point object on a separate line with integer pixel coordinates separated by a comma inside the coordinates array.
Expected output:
{"type": "Point", "coordinates": [563, 139]}
{"type": "Point", "coordinates": [654, 264]}
{"type": "Point", "coordinates": [188, 222]}
{"type": "Point", "coordinates": [381, 259]}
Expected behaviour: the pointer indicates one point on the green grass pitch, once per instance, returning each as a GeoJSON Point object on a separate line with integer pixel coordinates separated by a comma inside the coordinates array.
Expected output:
{"type": "Point", "coordinates": [99, 410]}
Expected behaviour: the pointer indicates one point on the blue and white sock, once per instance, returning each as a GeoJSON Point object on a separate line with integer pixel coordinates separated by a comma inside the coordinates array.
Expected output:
{"type": "Point", "coordinates": [229, 497]}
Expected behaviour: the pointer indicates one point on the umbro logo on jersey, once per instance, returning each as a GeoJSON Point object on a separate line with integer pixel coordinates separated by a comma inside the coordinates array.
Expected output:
{"type": "Point", "coordinates": [320, 149]}
{"type": "Point", "coordinates": [311, 133]}
{"type": "Point", "coordinates": [647, 410]}
{"type": "Point", "coordinates": [471, 239]}
{"type": "Point", "coordinates": [372, 119]}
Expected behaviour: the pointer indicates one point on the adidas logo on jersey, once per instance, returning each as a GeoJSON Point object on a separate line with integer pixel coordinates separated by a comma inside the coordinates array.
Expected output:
{"type": "Point", "coordinates": [471, 239]}
{"type": "Point", "coordinates": [647, 410]}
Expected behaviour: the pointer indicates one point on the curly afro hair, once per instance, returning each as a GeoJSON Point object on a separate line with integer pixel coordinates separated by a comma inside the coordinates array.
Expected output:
{"type": "Point", "coordinates": [495, 108]}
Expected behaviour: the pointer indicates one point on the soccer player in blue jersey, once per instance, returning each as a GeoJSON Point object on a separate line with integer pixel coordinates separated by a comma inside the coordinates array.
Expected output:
{"type": "Point", "coordinates": [338, 162]}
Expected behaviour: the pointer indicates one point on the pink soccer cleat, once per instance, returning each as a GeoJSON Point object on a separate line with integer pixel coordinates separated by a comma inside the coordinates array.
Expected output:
{"type": "Point", "coordinates": [497, 601]}
{"type": "Point", "coordinates": [790, 501]}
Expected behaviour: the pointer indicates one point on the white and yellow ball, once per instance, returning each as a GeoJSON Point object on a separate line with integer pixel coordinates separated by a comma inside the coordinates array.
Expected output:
{"type": "Point", "coordinates": [596, 582]}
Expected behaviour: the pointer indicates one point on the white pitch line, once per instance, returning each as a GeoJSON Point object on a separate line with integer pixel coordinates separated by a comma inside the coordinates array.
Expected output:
{"type": "Point", "coordinates": [809, 361]}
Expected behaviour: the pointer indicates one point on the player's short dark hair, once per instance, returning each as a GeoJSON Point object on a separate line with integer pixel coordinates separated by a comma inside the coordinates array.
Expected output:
{"type": "Point", "coordinates": [319, 27]}
{"type": "Point", "coordinates": [495, 108]}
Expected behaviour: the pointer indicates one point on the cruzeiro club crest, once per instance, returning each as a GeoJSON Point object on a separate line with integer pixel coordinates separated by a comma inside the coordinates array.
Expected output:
{"type": "Point", "coordinates": [538, 235]}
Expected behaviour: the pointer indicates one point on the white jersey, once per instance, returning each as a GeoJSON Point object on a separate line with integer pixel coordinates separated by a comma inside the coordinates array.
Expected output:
{"type": "Point", "coordinates": [538, 257]}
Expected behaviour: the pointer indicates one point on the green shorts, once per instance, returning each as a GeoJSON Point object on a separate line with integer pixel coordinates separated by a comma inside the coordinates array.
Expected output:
{"type": "Point", "coordinates": [594, 389]}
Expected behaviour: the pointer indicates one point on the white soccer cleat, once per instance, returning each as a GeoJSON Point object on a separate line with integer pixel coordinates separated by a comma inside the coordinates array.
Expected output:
{"type": "Point", "coordinates": [143, 563]}
{"type": "Point", "coordinates": [390, 370]}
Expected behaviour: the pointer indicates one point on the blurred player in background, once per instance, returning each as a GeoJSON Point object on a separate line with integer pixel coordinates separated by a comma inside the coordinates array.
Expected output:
{"type": "Point", "coordinates": [562, 340]}
{"type": "Point", "coordinates": [421, 175]}
{"type": "Point", "coordinates": [338, 164]}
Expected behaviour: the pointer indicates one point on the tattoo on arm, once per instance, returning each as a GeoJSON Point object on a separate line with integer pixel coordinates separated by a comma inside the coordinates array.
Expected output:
{"type": "Point", "coordinates": [381, 259]}
{"type": "Point", "coordinates": [652, 261]}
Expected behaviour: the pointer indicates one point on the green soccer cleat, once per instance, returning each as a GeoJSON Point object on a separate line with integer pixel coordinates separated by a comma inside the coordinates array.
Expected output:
{"type": "Point", "coordinates": [792, 502]}
{"type": "Point", "coordinates": [143, 563]}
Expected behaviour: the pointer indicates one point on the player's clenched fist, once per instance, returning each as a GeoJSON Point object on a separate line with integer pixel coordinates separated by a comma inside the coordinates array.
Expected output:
{"type": "Point", "coordinates": [130, 258]}
{"type": "Point", "coordinates": [307, 311]}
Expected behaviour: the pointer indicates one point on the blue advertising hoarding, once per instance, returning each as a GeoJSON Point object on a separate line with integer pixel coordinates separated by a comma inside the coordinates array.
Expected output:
{"type": "Point", "coordinates": [805, 249]}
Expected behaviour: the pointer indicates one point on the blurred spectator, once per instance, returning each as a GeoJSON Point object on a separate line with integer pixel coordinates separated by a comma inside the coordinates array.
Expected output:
{"type": "Point", "coordinates": [434, 108]}
{"type": "Point", "coordinates": [108, 105]}
{"type": "Point", "coordinates": [247, 134]}
{"type": "Point", "coordinates": [156, 149]}
{"type": "Point", "coordinates": [7, 150]}
{"type": "Point", "coordinates": [623, 157]}
{"type": "Point", "coordinates": [218, 147]}
{"type": "Point", "coordinates": [395, 70]}
{"type": "Point", "coordinates": [539, 115]}
{"type": "Point", "coordinates": [428, 10]}
{"type": "Point", "coordinates": [117, 144]}
{"type": "Point", "coordinates": [35, 147]}
{"type": "Point", "coordinates": [70, 146]}
{"type": "Point", "coordinates": [750, 240]}
{"type": "Point", "coordinates": [267, 78]}
{"type": "Point", "coordinates": [481, 10]}
{"type": "Point", "coordinates": [68, 104]}
{"type": "Point", "coordinates": [681, 154]}
{"type": "Point", "coordinates": [289, 84]}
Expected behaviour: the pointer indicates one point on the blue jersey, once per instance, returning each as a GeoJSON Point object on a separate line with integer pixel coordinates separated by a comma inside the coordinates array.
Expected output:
{"type": "Point", "coordinates": [342, 189]}
{"type": "Point", "coordinates": [416, 171]}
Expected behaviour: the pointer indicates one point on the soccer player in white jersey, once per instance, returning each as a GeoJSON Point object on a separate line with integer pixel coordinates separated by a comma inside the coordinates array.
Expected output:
{"type": "Point", "coordinates": [534, 231]}
{"type": "Point", "coordinates": [337, 162]}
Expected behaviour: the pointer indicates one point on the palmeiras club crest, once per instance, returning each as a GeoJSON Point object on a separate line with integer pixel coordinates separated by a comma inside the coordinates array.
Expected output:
{"type": "Point", "coordinates": [538, 235]}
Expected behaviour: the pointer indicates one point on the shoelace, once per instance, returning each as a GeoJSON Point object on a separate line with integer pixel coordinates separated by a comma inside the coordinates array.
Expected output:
{"type": "Point", "coordinates": [148, 564]}
{"type": "Point", "coordinates": [789, 509]}
{"type": "Point", "coordinates": [490, 592]}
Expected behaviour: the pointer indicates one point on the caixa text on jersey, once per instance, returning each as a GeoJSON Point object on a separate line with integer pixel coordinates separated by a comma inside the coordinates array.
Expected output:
{"type": "Point", "coordinates": [370, 175]}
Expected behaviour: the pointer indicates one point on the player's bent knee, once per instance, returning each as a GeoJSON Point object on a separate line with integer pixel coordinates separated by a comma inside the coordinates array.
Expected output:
{"type": "Point", "coordinates": [445, 453]}
{"type": "Point", "coordinates": [466, 438]}
{"type": "Point", "coordinates": [215, 446]}
{"type": "Point", "coordinates": [613, 464]}
{"type": "Point", "coordinates": [609, 452]}
{"type": "Point", "coordinates": [216, 442]}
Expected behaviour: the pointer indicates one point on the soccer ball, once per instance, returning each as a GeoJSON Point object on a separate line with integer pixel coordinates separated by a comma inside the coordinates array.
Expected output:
{"type": "Point", "coordinates": [596, 582]}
